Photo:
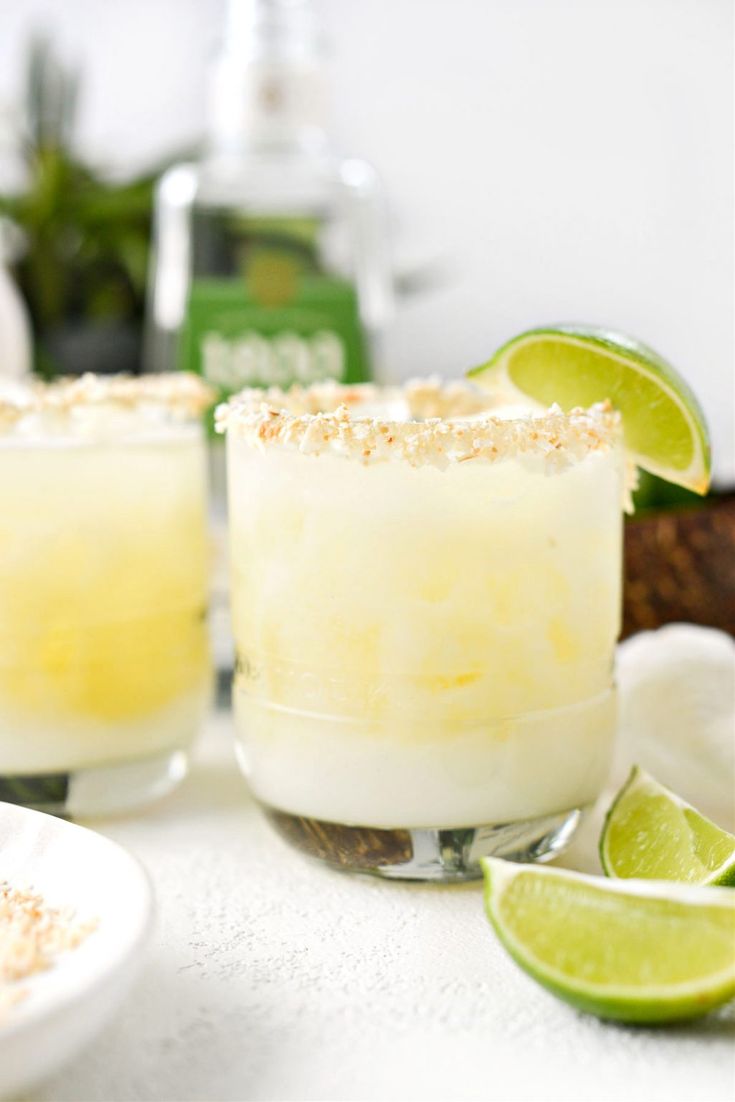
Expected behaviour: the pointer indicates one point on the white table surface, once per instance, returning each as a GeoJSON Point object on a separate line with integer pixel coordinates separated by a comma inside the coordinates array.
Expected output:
{"type": "Point", "coordinates": [272, 978]}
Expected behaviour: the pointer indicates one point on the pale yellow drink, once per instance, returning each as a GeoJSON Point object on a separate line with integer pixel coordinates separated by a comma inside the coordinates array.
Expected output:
{"type": "Point", "coordinates": [425, 613]}
{"type": "Point", "coordinates": [103, 567]}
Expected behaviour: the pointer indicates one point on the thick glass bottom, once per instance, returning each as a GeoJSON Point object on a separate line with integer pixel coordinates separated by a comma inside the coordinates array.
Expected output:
{"type": "Point", "coordinates": [99, 790]}
{"type": "Point", "coordinates": [425, 854]}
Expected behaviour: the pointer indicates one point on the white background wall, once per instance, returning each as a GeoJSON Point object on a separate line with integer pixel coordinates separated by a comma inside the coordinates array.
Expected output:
{"type": "Point", "coordinates": [565, 159]}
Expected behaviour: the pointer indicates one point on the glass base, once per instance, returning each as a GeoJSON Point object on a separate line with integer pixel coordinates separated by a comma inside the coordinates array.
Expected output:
{"type": "Point", "coordinates": [426, 854]}
{"type": "Point", "coordinates": [99, 790]}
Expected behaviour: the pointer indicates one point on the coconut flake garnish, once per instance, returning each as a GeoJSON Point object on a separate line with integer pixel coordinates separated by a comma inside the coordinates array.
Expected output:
{"type": "Point", "coordinates": [443, 424]}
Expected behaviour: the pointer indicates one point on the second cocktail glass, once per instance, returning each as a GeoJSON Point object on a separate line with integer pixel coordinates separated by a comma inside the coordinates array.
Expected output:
{"type": "Point", "coordinates": [426, 601]}
{"type": "Point", "coordinates": [104, 554]}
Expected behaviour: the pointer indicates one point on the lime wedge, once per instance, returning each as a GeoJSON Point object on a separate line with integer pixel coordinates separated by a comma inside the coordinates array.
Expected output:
{"type": "Point", "coordinates": [651, 834]}
{"type": "Point", "coordinates": [634, 950]}
{"type": "Point", "coordinates": [663, 424]}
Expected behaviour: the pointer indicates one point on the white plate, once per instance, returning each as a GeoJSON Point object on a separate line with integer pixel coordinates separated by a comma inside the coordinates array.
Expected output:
{"type": "Point", "coordinates": [66, 1005]}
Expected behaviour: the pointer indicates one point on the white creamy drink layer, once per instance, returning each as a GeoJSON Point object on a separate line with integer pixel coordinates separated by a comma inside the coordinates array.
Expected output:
{"type": "Point", "coordinates": [33, 744]}
{"type": "Point", "coordinates": [103, 573]}
{"type": "Point", "coordinates": [425, 611]}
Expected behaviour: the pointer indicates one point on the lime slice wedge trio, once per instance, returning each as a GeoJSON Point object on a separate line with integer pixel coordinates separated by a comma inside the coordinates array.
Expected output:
{"type": "Point", "coordinates": [663, 425]}
{"type": "Point", "coordinates": [654, 942]}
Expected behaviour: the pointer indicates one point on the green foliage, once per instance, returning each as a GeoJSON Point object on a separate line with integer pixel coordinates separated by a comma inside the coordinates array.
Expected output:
{"type": "Point", "coordinates": [85, 239]}
{"type": "Point", "coordinates": [654, 494]}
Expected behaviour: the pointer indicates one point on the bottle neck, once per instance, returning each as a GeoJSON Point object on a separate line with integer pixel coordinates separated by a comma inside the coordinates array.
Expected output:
{"type": "Point", "coordinates": [268, 105]}
{"type": "Point", "coordinates": [268, 88]}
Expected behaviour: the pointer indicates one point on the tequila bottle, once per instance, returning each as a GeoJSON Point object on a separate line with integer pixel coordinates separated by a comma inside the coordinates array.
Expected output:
{"type": "Point", "coordinates": [270, 262]}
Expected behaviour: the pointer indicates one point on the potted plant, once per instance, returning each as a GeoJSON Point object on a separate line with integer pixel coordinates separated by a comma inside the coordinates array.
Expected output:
{"type": "Point", "coordinates": [83, 240]}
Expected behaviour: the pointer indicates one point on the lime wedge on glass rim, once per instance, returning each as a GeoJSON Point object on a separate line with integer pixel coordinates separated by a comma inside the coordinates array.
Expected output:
{"type": "Point", "coordinates": [632, 951]}
{"type": "Point", "coordinates": [663, 424]}
{"type": "Point", "coordinates": [652, 834]}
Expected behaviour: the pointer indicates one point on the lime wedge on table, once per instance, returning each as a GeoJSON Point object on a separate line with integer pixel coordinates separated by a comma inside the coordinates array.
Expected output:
{"type": "Point", "coordinates": [652, 834]}
{"type": "Point", "coordinates": [633, 950]}
{"type": "Point", "coordinates": [663, 424]}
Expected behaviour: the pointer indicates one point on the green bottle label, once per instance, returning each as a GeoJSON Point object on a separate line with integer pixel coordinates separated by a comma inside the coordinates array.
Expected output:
{"type": "Point", "coordinates": [279, 322]}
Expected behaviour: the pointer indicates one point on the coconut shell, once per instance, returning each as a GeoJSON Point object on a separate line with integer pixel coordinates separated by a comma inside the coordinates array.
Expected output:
{"type": "Point", "coordinates": [680, 566]}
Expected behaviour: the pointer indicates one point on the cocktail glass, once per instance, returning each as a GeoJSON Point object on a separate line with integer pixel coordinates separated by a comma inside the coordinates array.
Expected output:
{"type": "Point", "coordinates": [426, 598]}
{"type": "Point", "coordinates": [104, 665]}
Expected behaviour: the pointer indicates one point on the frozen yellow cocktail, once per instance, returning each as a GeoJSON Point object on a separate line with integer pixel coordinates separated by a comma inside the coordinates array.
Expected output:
{"type": "Point", "coordinates": [426, 598]}
{"type": "Point", "coordinates": [104, 668]}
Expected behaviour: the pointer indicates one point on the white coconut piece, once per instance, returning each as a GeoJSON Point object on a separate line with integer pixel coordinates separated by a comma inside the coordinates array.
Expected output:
{"type": "Point", "coordinates": [677, 715]}
{"type": "Point", "coordinates": [677, 721]}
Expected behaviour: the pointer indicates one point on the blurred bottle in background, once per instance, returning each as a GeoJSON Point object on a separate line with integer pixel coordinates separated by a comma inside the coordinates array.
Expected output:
{"type": "Point", "coordinates": [270, 263]}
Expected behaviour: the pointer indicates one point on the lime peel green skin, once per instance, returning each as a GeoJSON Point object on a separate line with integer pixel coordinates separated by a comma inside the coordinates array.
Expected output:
{"type": "Point", "coordinates": [628, 1005]}
{"type": "Point", "coordinates": [653, 367]}
{"type": "Point", "coordinates": [723, 876]}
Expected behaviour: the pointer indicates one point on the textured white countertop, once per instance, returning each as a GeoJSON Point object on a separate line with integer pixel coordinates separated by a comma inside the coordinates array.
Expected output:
{"type": "Point", "coordinates": [272, 978]}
